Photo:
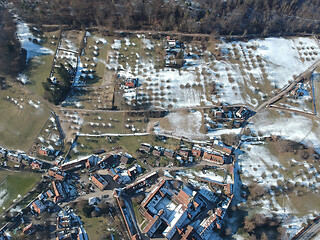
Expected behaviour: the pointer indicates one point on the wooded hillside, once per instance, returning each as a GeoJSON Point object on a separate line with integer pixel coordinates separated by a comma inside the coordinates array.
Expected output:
{"type": "Point", "coordinates": [190, 16]}
{"type": "Point", "coordinates": [11, 58]}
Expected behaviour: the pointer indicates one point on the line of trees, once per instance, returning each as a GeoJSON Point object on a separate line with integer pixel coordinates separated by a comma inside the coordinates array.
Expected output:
{"type": "Point", "coordinates": [197, 16]}
{"type": "Point", "coordinates": [57, 92]}
{"type": "Point", "coordinates": [12, 57]}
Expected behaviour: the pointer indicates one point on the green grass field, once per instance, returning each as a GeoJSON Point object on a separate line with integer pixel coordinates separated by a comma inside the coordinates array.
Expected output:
{"type": "Point", "coordinates": [136, 212]}
{"type": "Point", "coordinates": [19, 127]}
{"type": "Point", "coordinates": [129, 144]}
{"type": "Point", "coordinates": [98, 227]}
{"type": "Point", "coordinates": [14, 184]}
{"type": "Point", "coordinates": [119, 122]}
{"type": "Point", "coordinates": [38, 71]}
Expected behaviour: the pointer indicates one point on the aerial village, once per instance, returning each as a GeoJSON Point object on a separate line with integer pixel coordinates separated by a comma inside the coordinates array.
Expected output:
{"type": "Point", "coordinates": [124, 169]}
{"type": "Point", "coordinates": [175, 205]}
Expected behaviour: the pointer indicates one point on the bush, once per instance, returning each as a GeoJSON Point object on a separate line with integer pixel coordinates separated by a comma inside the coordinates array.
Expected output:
{"type": "Point", "coordinates": [257, 191]}
{"type": "Point", "coordinates": [95, 213]}
{"type": "Point", "coordinates": [87, 211]}
{"type": "Point", "coordinates": [230, 139]}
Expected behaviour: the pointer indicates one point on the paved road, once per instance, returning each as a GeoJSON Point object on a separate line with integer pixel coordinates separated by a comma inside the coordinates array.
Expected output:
{"type": "Point", "coordinates": [288, 88]}
{"type": "Point", "coordinates": [310, 232]}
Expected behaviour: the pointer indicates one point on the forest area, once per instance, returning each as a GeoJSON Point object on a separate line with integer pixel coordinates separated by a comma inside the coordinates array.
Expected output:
{"type": "Point", "coordinates": [12, 57]}
{"type": "Point", "coordinates": [218, 17]}
{"type": "Point", "coordinates": [189, 16]}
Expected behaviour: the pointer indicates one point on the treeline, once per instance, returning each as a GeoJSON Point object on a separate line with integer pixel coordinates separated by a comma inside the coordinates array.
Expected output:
{"type": "Point", "coordinates": [58, 91]}
{"type": "Point", "coordinates": [196, 16]}
{"type": "Point", "coordinates": [12, 57]}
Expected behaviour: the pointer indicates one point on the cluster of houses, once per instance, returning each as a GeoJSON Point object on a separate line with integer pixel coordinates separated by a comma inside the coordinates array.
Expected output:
{"type": "Point", "coordinates": [231, 112]}
{"type": "Point", "coordinates": [129, 190]}
{"type": "Point", "coordinates": [214, 153]}
{"type": "Point", "coordinates": [166, 208]}
{"type": "Point", "coordinates": [231, 117]}
{"type": "Point", "coordinates": [174, 52]}
{"type": "Point", "coordinates": [44, 203]}
{"type": "Point", "coordinates": [47, 152]}
{"type": "Point", "coordinates": [69, 226]}
{"type": "Point", "coordinates": [175, 211]}
{"type": "Point", "coordinates": [120, 173]}
{"type": "Point", "coordinates": [183, 155]}
{"type": "Point", "coordinates": [299, 90]}
{"type": "Point", "coordinates": [21, 158]}
{"type": "Point", "coordinates": [131, 82]}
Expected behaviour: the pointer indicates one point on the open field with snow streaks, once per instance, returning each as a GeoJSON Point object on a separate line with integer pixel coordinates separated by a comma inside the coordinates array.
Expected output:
{"type": "Point", "coordinates": [290, 178]}
{"type": "Point", "coordinates": [248, 72]}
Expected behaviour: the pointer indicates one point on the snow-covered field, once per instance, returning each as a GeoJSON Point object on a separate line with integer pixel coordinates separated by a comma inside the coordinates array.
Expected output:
{"type": "Point", "coordinates": [247, 73]}
{"type": "Point", "coordinates": [186, 124]}
{"type": "Point", "coordinates": [257, 161]}
{"type": "Point", "coordinates": [3, 195]}
{"type": "Point", "coordinates": [26, 39]}
{"type": "Point", "coordinates": [296, 128]}
{"type": "Point", "coordinates": [260, 166]}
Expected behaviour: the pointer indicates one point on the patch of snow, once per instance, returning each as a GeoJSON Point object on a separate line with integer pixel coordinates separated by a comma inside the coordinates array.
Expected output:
{"type": "Point", "coordinates": [33, 49]}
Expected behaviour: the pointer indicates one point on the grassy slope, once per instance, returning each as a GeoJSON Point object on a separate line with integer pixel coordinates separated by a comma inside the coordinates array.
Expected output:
{"type": "Point", "coordinates": [18, 128]}
{"type": "Point", "coordinates": [16, 184]}
{"type": "Point", "coordinates": [38, 71]}
{"type": "Point", "coordinates": [39, 67]}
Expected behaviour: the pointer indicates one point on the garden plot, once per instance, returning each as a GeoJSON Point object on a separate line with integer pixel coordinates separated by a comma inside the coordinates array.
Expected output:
{"type": "Point", "coordinates": [71, 122]}
{"type": "Point", "coordinates": [67, 52]}
{"type": "Point", "coordinates": [248, 73]}
{"type": "Point", "coordinates": [101, 123]}
{"type": "Point", "coordinates": [49, 137]}
{"type": "Point", "coordinates": [71, 41]}
{"type": "Point", "coordinates": [92, 64]}
{"type": "Point", "coordinates": [217, 175]}
{"type": "Point", "coordinates": [90, 98]}
{"type": "Point", "coordinates": [94, 82]}
{"type": "Point", "coordinates": [299, 99]}
{"type": "Point", "coordinates": [164, 87]}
